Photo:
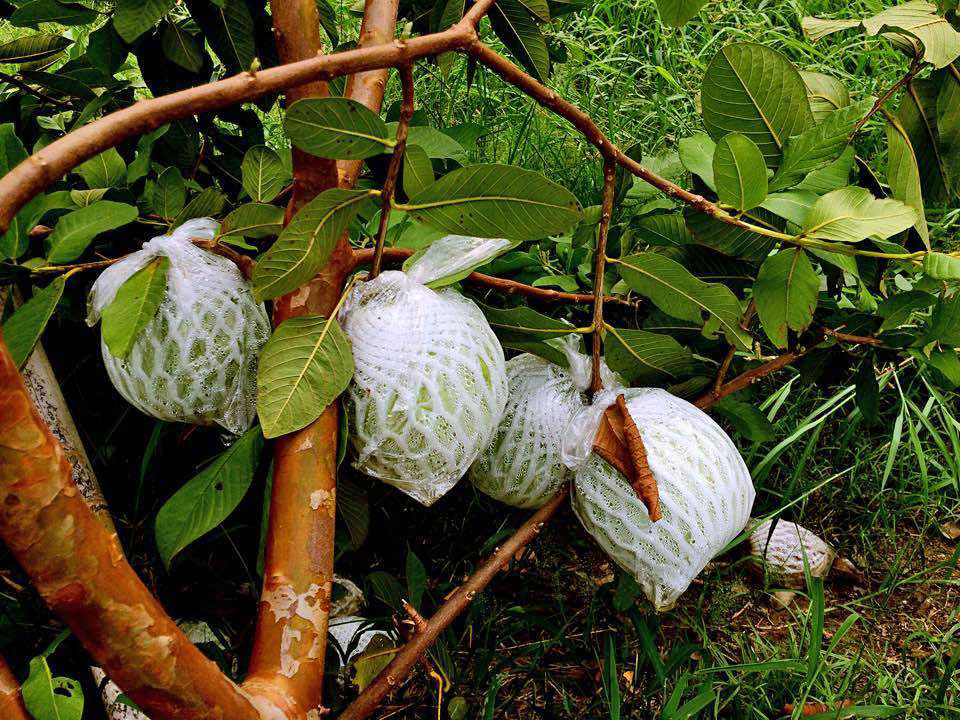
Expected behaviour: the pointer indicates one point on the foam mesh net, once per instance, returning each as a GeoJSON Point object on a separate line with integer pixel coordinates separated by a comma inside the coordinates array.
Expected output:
{"type": "Point", "coordinates": [196, 359]}
{"type": "Point", "coordinates": [429, 385]}
{"type": "Point", "coordinates": [705, 495]}
{"type": "Point", "coordinates": [785, 549]}
{"type": "Point", "coordinates": [523, 466]}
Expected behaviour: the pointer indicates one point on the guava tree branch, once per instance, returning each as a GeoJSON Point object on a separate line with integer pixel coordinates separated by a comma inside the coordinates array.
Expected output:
{"type": "Point", "coordinates": [458, 601]}
{"type": "Point", "coordinates": [79, 569]}
{"type": "Point", "coordinates": [508, 287]}
{"type": "Point", "coordinates": [11, 704]}
{"type": "Point", "coordinates": [599, 267]}
{"type": "Point", "coordinates": [882, 99]}
{"type": "Point", "coordinates": [289, 651]}
{"type": "Point", "coordinates": [393, 171]}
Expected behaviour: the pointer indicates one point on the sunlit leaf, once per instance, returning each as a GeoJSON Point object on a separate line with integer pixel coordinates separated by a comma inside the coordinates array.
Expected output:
{"type": "Point", "coordinates": [76, 230]}
{"type": "Point", "coordinates": [132, 18]}
{"type": "Point", "coordinates": [678, 12]}
{"type": "Point", "coordinates": [303, 367]}
{"type": "Point", "coordinates": [134, 306]}
{"type": "Point", "coordinates": [33, 48]}
{"type": "Point", "coordinates": [825, 93]}
{"type": "Point", "coordinates": [263, 173]}
{"type": "Point", "coordinates": [49, 697]}
{"type": "Point", "coordinates": [253, 220]}
{"type": "Point", "coordinates": [852, 214]}
{"type": "Point", "coordinates": [23, 328]}
{"type": "Point", "coordinates": [336, 128]}
{"type": "Point", "coordinates": [739, 172]}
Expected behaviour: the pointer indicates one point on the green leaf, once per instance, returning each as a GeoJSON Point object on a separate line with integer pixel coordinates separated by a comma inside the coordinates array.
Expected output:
{"type": "Point", "coordinates": [134, 306]}
{"type": "Point", "coordinates": [898, 309]}
{"type": "Point", "coordinates": [540, 8]}
{"type": "Point", "coordinates": [208, 498]}
{"type": "Point", "coordinates": [793, 205]}
{"type": "Point", "coordinates": [512, 23]}
{"type": "Point", "coordinates": [15, 241]}
{"type": "Point", "coordinates": [76, 230]}
{"type": "Point", "coordinates": [417, 170]}
{"type": "Point", "coordinates": [23, 328]}
{"type": "Point", "coordinates": [747, 419]}
{"type": "Point", "coordinates": [141, 164]}
{"type": "Point", "coordinates": [919, 19]}
{"type": "Point", "coordinates": [786, 293]}
{"type": "Point", "coordinates": [33, 48]}
{"type": "Point", "coordinates": [825, 93]}
{"type": "Point", "coordinates": [696, 154]}
{"type": "Point", "coordinates": [416, 579]}
{"type": "Point", "coordinates": [169, 194]}
{"type": "Point", "coordinates": [206, 203]}
{"type": "Point", "coordinates": [336, 128]}
{"type": "Point", "coordinates": [496, 201]}
{"type": "Point", "coordinates": [917, 116]}
{"type": "Point", "coordinates": [944, 326]}
{"type": "Point", "coordinates": [674, 290]}
{"type": "Point", "coordinates": [523, 320]}
{"type": "Point", "coordinates": [105, 170]}
{"type": "Point", "coordinates": [740, 173]}
{"type": "Point", "coordinates": [941, 266]}
{"type": "Point", "coordinates": [263, 173]}
{"type": "Point", "coordinates": [353, 504]}
{"type": "Point", "coordinates": [947, 363]}
{"type": "Point", "coordinates": [640, 356]}
{"type": "Point", "coordinates": [253, 220]}
{"type": "Point", "coordinates": [328, 20]}
{"type": "Point", "coordinates": [306, 243]}
{"type": "Point", "coordinates": [948, 125]}
{"type": "Point", "coordinates": [817, 28]}
{"type": "Point", "coordinates": [755, 90]}
{"type": "Point", "coordinates": [228, 28]}
{"type": "Point", "coordinates": [868, 392]}
{"type": "Point", "coordinates": [818, 146]}
{"type": "Point", "coordinates": [678, 12]}
{"type": "Point", "coordinates": [451, 13]}
{"type": "Point", "coordinates": [132, 18]}
{"type": "Point", "coordinates": [33, 13]}
{"type": "Point", "coordinates": [105, 49]}
{"type": "Point", "coordinates": [435, 143]}
{"type": "Point", "coordinates": [303, 367]}
{"type": "Point", "coordinates": [181, 47]}
{"type": "Point", "coordinates": [51, 698]}
{"type": "Point", "coordinates": [852, 214]}
{"type": "Point", "coordinates": [728, 239]}
{"type": "Point", "coordinates": [834, 176]}
{"type": "Point", "coordinates": [663, 230]}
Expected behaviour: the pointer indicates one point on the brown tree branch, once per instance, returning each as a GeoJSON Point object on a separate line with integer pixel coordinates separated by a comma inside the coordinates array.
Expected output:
{"type": "Point", "coordinates": [508, 287]}
{"type": "Point", "coordinates": [79, 569]}
{"type": "Point", "coordinates": [599, 267]}
{"type": "Point", "coordinates": [11, 704]}
{"type": "Point", "coordinates": [39, 94]}
{"type": "Point", "coordinates": [732, 350]}
{"type": "Point", "coordinates": [410, 654]}
{"type": "Point", "coordinates": [289, 652]}
{"type": "Point", "coordinates": [915, 67]}
{"type": "Point", "coordinates": [393, 171]}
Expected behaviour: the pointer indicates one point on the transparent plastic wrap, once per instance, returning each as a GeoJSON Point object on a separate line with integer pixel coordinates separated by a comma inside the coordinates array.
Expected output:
{"type": "Point", "coordinates": [196, 360]}
{"type": "Point", "coordinates": [430, 382]}
{"type": "Point", "coordinates": [522, 466]}
{"type": "Point", "coordinates": [706, 493]}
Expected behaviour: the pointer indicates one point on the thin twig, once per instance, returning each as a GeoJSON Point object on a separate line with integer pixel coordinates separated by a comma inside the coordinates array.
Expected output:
{"type": "Point", "coordinates": [599, 267]}
{"type": "Point", "coordinates": [855, 339]}
{"type": "Point", "coordinates": [39, 94]}
{"type": "Point", "coordinates": [396, 162]}
{"type": "Point", "coordinates": [732, 350]}
{"type": "Point", "coordinates": [915, 67]}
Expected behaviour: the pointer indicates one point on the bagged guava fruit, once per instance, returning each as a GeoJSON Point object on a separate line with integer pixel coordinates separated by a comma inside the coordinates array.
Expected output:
{"type": "Point", "coordinates": [522, 466]}
{"type": "Point", "coordinates": [705, 489]}
{"type": "Point", "coordinates": [196, 359]}
{"type": "Point", "coordinates": [430, 382]}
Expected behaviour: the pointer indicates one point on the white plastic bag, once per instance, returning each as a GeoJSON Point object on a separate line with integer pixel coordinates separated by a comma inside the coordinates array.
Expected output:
{"type": "Point", "coordinates": [430, 381]}
{"type": "Point", "coordinates": [705, 493]}
{"type": "Point", "coordinates": [196, 360]}
{"type": "Point", "coordinates": [522, 466]}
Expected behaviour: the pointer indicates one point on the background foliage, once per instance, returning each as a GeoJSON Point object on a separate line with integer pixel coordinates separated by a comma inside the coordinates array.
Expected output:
{"type": "Point", "coordinates": [860, 443]}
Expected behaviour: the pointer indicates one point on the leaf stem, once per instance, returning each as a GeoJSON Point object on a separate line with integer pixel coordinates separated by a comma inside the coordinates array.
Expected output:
{"type": "Point", "coordinates": [396, 162]}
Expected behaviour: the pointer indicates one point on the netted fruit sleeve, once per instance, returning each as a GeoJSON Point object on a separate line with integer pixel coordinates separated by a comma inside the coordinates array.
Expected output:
{"type": "Point", "coordinates": [430, 382]}
{"type": "Point", "coordinates": [196, 359]}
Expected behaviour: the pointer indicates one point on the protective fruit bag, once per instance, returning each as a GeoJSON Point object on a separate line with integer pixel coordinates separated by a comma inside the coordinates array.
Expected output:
{"type": "Point", "coordinates": [196, 360]}
{"type": "Point", "coordinates": [522, 466]}
{"type": "Point", "coordinates": [705, 491]}
{"type": "Point", "coordinates": [430, 382]}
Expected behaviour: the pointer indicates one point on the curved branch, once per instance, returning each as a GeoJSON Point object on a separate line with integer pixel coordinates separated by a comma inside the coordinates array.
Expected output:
{"type": "Point", "coordinates": [456, 603]}
{"type": "Point", "coordinates": [79, 569]}
{"type": "Point", "coordinates": [599, 268]}
{"type": "Point", "coordinates": [508, 287]}
{"type": "Point", "coordinates": [11, 704]}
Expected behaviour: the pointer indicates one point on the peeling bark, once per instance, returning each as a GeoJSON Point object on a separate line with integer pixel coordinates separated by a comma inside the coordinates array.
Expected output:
{"type": "Point", "coordinates": [79, 569]}
{"type": "Point", "coordinates": [11, 704]}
